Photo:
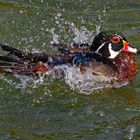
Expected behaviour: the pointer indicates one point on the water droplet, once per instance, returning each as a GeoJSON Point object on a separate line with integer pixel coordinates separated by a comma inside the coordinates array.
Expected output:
{"type": "Point", "coordinates": [131, 131]}
{"type": "Point", "coordinates": [43, 21]}
{"type": "Point", "coordinates": [57, 22]}
{"type": "Point", "coordinates": [131, 128]}
{"type": "Point", "coordinates": [54, 36]}
{"type": "Point", "coordinates": [59, 14]}
{"type": "Point", "coordinates": [43, 44]}
{"type": "Point", "coordinates": [130, 136]}
{"type": "Point", "coordinates": [100, 113]}
{"type": "Point", "coordinates": [21, 11]}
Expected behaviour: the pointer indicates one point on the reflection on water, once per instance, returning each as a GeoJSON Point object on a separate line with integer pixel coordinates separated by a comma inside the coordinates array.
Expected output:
{"type": "Point", "coordinates": [50, 109]}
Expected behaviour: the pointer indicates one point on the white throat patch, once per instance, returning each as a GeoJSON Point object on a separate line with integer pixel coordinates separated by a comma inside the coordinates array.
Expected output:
{"type": "Point", "coordinates": [113, 54]}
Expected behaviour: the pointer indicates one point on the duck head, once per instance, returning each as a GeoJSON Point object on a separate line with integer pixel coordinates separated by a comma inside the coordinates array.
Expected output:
{"type": "Point", "coordinates": [115, 46]}
{"type": "Point", "coordinates": [111, 43]}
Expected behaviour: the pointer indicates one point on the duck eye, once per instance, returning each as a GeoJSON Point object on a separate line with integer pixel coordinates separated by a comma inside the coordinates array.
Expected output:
{"type": "Point", "coordinates": [115, 39]}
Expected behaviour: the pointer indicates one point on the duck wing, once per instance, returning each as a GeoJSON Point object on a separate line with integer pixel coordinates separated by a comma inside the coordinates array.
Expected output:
{"type": "Point", "coordinates": [33, 57]}
{"type": "Point", "coordinates": [16, 65]}
{"type": "Point", "coordinates": [72, 48]}
{"type": "Point", "coordinates": [20, 62]}
{"type": "Point", "coordinates": [12, 51]}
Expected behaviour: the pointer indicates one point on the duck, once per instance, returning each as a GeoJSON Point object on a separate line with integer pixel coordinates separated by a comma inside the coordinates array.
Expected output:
{"type": "Point", "coordinates": [109, 55]}
{"type": "Point", "coordinates": [110, 59]}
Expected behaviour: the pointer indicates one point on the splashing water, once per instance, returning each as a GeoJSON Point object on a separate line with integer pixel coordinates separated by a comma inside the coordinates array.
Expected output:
{"type": "Point", "coordinates": [54, 37]}
{"type": "Point", "coordinates": [131, 129]}
{"type": "Point", "coordinates": [82, 35]}
{"type": "Point", "coordinates": [84, 82]}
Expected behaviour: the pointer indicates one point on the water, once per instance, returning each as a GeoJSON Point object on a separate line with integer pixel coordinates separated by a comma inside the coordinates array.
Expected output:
{"type": "Point", "coordinates": [50, 109]}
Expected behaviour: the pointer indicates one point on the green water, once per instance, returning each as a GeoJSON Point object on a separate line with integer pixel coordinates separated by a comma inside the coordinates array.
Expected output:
{"type": "Point", "coordinates": [51, 110]}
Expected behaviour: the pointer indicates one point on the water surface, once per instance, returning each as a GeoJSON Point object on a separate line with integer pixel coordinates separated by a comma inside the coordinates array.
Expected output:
{"type": "Point", "coordinates": [40, 110]}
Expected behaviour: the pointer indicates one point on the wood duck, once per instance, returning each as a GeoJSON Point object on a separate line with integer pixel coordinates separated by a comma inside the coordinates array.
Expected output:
{"type": "Point", "coordinates": [109, 58]}
{"type": "Point", "coordinates": [116, 56]}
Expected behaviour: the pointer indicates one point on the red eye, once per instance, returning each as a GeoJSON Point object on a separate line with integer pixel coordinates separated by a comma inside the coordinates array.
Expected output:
{"type": "Point", "coordinates": [115, 39]}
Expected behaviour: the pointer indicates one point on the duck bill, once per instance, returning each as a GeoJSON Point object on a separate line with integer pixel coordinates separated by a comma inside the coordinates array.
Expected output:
{"type": "Point", "coordinates": [128, 48]}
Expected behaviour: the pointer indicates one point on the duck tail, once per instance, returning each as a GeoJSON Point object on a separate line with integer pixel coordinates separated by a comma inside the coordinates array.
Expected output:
{"type": "Point", "coordinates": [12, 50]}
{"type": "Point", "coordinates": [9, 64]}
{"type": "Point", "coordinates": [13, 61]}
{"type": "Point", "coordinates": [22, 55]}
{"type": "Point", "coordinates": [9, 58]}
{"type": "Point", "coordinates": [16, 61]}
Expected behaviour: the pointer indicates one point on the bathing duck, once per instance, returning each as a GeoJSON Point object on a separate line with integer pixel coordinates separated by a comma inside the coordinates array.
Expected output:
{"type": "Point", "coordinates": [116, 56]}
{"type": "Point", "coordinates": [109, 58]}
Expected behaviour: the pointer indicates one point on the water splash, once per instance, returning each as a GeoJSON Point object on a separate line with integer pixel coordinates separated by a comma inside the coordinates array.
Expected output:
{"type": "Point", "coordinates": [83, 82]}
{"type": "Point", "coordinates": [82, 35]}
{"type": "Point", "coordinates": [131, 129]}
{"type": "Point", "coordinates": [23, 81]}
{"type": "Point", "coordinates": [54, 36]}
{"type": "Point", "coordinates": [100, 113]}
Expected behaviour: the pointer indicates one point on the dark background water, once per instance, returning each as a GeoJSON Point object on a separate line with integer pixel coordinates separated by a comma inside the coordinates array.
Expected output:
{"type": "Point", "coordinates": [50, 109]}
